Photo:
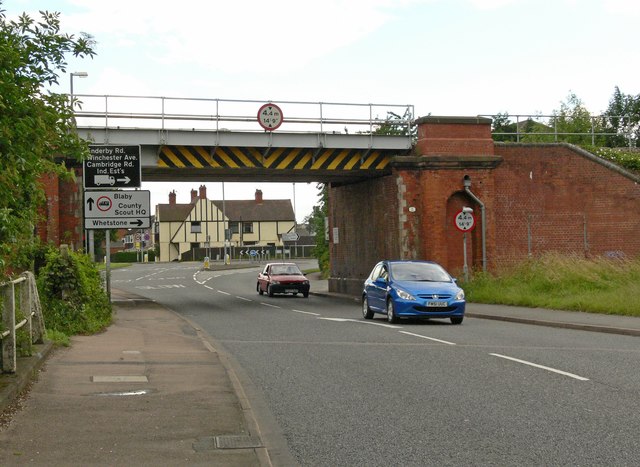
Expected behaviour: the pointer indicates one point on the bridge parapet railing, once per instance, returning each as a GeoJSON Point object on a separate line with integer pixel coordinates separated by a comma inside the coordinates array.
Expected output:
{"type": "Point", "coordinates": [581, 129]}
{"type": "Point", "coordinates": [19, 299]}
{"type": "Point", "coordinates": [202, 114]}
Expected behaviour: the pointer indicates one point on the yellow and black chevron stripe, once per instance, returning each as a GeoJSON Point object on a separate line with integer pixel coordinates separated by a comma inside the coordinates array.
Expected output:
{"type": "Point", "coordinates": [277, 158]}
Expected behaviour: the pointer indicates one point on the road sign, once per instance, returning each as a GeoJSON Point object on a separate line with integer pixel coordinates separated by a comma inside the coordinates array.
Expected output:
{"type": "Point", "coordinates": [270, 116]}
{"type": "Point", "coordinates": [465, 221]}
{"type": "Point", "coordinates": [112, 166]}
{"type": "Point", "coordinates": [290, 237]}
{"type": "Point", "coordinates": [117, 210]}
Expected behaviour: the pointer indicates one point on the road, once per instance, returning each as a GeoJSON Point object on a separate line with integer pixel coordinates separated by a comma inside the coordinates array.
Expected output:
{"type": "Point", "coordinates": [339, 390]}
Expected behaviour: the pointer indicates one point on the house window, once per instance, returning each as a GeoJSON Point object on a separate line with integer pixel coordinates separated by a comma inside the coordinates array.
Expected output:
{"type": "Point", "coordinates": [234, 228]}
{"type": "Point", "coordinates": [247, 227]}
{"type": "Point", "coordinates": [195, 227]}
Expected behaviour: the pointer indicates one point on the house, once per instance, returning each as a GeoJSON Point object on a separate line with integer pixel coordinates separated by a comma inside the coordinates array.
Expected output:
{"type": "Point", "coordinates": [197, 229]}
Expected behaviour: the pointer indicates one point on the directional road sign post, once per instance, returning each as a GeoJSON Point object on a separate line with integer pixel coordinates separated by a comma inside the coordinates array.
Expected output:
{"type": "Point", "coordinates": [117, 209]}
{"type": "Point", "coordinates": [112, 166]}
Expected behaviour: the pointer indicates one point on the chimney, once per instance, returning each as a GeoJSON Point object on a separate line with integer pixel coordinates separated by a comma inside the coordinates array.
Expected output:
{"type": "Point", "coordinates": [194, 195]}
{"type": "Point", "coordinates": [172, 197]}
{"type": "Point", "coordinates": [258, 196]}
{"type": "Point", "coordinates": [203, 192]}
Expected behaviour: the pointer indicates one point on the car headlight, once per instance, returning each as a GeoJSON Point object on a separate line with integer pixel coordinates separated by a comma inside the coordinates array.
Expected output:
{"type": "Point", "coordinates": [275, 282]}
{"type": "Point", "coordinates": [305, 283]}
{"type": "Point", "coordinates": [404, 295]}
{"type": "Point", "coordinates": [460, 295]}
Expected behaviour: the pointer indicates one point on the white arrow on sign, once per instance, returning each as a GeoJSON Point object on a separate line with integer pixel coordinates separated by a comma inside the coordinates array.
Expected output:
{"type": "Point", "coordinates": [125, 180]}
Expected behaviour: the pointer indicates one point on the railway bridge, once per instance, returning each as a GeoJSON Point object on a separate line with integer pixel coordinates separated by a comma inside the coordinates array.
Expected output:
{"type": "Point", "coordinates": [396, 182]}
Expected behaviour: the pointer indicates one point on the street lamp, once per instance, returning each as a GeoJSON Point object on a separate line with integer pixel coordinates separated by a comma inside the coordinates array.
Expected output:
{"type": "Point", "coordinates": [79, 74]}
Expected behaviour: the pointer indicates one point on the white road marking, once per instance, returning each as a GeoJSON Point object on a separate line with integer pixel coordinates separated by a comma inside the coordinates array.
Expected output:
{"type": "Point", "coordinates": [349, 320]}
{"type": "Point", "coordinates": [210, 288]}
{"type": "Point", "coordinates": [306, 312]}
{"type": "Point", "coordinates": [245, 299]}
{"type": "Point", "coordinates": [269, 304]}
{"type": "Point", "coordinates": [223, 292]}
{"type": "Point", "coordinates": [524, 362]}
{"type": "Point", "coordinates": [429, 338]}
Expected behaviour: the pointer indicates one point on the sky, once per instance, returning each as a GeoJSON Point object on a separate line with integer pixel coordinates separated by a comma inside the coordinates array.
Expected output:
{"type": "Point", "coordinates": [444, 57]}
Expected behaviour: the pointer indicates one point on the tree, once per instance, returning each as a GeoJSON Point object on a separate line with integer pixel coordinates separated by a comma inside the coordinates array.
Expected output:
{"type": "Point", "coordinates": [623, 118]}
{"type": "Point", "coordinates": [574, 124]}
{"type": "Point", "coordinates": [316, 221]}
{"type": "Point", "coordinates": [396, 124]}
{"type": "Point", "coordinates": [36, 126]}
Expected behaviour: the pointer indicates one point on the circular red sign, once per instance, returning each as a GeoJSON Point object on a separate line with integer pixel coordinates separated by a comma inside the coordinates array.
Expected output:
{"type": "Point", "coordinates": [465, 221]}
{"type": "Point", "coordinates": [270, 116]}
{"type": "Point", "coordinates": [104, 203]}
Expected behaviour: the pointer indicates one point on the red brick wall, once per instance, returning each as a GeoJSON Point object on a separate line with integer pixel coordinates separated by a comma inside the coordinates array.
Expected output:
{"type": "Point", "coordinates": [60, 217]}
{"type": "Point", "coordinates": [366, 215]}
{"type": "Point", "coordinates": [557, 198]}
{"type": "Point", "coordinates": [454, 135]}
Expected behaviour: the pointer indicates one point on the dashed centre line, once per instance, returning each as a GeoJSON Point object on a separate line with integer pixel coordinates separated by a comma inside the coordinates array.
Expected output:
{"type": "Point", "coordinates": [425, 337]}
{"type": "Point", "coordinates": [554, 370]}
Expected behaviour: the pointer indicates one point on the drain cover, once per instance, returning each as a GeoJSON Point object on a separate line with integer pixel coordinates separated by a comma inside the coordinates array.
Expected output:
{"type": "Point", "coordinates": [119, 379]}
{"type": "Point", "coordinates": [210, 443]}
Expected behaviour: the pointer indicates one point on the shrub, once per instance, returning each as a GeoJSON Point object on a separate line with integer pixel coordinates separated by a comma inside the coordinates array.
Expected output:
{"type": "Point", "coordinates": [70, 288]}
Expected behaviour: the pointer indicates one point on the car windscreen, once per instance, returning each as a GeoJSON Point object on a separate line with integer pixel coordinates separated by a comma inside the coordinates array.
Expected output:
{"type": "Point", "coordinates": [419, 272]}
{"type": "Point", "coordinates": [285, 270]}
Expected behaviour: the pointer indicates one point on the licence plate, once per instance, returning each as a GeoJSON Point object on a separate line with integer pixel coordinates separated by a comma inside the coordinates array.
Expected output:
{"type": "Point", "coordinates": [291, 290]}
{"type": "Point", "coordinates": [437, 304]}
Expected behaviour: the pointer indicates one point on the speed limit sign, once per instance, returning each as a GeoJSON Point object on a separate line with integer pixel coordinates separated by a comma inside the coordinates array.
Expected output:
{"type": "Point", "coordinates": [465, 221]}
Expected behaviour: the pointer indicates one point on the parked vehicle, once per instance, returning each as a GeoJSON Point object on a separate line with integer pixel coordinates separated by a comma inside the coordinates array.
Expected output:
{"type": "Point", "coordinates": [412, 289]}
{"type": "Point", "coordinates": [282, 278]}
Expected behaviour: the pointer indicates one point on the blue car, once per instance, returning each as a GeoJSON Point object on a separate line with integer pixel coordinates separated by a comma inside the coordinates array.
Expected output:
{"type": "Point", "coordinates": [412, 289]}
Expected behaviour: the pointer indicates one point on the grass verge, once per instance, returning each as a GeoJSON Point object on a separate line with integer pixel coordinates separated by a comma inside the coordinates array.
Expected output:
{"type": "Point", "coordinates": [609, 286]}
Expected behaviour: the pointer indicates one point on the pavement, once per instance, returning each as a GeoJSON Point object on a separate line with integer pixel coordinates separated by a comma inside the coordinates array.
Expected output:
{"type": "Point", "coordinates": [153, 390]}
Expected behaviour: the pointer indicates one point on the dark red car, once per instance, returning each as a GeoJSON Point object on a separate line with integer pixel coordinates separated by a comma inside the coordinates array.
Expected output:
{"type": "Point", "coordinates": [282, 278]}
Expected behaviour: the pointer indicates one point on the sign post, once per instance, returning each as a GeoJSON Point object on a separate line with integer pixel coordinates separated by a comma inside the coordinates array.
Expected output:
{"type": "Point", "coordinates": [465, 221]}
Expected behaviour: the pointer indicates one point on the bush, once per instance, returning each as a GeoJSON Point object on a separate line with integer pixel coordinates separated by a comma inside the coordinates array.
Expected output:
{"type": "Point", "coordinates": [131, 256]}
{"type": "Point", "coordinates": [70, 288]}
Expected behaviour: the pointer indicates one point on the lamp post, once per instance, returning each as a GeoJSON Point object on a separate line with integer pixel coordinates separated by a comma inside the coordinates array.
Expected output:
{"type": "Point", "coordinates": [89, 233]}
{"type": "Point", "coordinates": [79, 74]}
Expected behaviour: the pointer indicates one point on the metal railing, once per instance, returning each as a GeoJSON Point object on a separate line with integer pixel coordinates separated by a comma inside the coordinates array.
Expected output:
{"type": "Point", "coordinates": [28, 303]}
{"type": "Point", "coordinates": [538, 123]}
{"type": "Point", "coordinates": [174, 113]}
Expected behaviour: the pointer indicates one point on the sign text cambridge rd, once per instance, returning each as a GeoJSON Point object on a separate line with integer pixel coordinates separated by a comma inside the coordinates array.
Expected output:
{"type": "Point", "coordinates": [112, 166]}
{"type": "Point", "coordinates": [117, 210]}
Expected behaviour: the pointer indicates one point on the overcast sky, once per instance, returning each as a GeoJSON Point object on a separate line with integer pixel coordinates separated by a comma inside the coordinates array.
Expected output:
{"type": "Point", "coordinates": [445, 57]}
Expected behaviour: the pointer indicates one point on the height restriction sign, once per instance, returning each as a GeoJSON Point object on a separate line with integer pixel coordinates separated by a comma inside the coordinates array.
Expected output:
{"type": "Point", "coordinates": [465, 221]}
{"type": "Point", "coordinates": [270, 116]}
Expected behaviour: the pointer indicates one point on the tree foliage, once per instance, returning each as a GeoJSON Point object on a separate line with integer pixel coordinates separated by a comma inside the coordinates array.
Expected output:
{"type": "Point", "coordinates": [623, 119]}
{"type": "Point", "coordinates": [316, 221]}
{"type": "Point", "coordinates": [36, 126]}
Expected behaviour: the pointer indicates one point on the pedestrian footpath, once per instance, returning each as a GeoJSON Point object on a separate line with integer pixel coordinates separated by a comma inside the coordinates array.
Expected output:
{"type": "Point", "coordinates": [147, 391]}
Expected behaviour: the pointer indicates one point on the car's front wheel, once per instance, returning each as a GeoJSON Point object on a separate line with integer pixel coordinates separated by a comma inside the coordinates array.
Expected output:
{"type": "Point", "coordinates": [391, 312]}
{"type": "Point", "coordinates": [260, 291]}
{"type": "Point", "coordinates": [457, 319]}
{"type": "Point", "coordinates": [366, 311]}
